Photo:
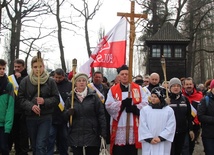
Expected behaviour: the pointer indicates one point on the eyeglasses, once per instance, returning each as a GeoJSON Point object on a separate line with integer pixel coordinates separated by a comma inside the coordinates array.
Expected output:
{"type": "Point", "coordinates": [145, 81]}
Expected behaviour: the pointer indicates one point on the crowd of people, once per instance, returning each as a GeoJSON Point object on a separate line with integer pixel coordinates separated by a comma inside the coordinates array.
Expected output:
{"type": "Point", "coordinates": [45, 113]}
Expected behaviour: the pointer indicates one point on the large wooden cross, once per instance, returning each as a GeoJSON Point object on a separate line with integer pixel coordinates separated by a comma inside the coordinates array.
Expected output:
{"type": "Point", "coordinates": [132, 22]}
{"type": "Point", "coordinates": [132, 35]}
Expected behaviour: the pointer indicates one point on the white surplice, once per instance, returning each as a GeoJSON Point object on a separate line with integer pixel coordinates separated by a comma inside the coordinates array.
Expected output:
{"type": "Point", "coordinates": [113, 107]}
{"type": "Point", "coordinates": [154, 123]}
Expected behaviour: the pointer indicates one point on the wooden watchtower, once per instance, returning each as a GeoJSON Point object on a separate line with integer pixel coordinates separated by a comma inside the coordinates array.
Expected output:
{"type": "Point", "coordinates": [167, 42]}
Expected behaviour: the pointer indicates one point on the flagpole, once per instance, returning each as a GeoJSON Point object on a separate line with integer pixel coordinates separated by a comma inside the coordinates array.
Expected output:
{"type": "Point", "coordinates": [132, 15]}
{"type": "Point", "coordinates": [74, 66]}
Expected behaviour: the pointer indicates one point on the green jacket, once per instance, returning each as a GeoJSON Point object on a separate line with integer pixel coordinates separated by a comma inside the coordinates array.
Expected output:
{"type": "Point", "coordinates": [7, 108]}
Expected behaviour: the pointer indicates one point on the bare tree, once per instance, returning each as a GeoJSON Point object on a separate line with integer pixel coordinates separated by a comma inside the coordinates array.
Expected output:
{"type": "Point", "coordinates": [197, 24]}
{"type": "Point", "coordinates": [56, 13]}
{"type": "Point", "coordinates": [85, 12]}
{"type": "Point", "coordinates": [191, 17]}
{"type": "Point", "coordinates": [19, 12]}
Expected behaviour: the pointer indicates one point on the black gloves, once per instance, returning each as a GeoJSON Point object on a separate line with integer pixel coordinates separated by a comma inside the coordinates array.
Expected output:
{"type": "Point", "coordinates": [125, 103]}
{"type": "Point", "coordinates": [70, 111]}
{"type": "Point", "coordinates": [133, 109]}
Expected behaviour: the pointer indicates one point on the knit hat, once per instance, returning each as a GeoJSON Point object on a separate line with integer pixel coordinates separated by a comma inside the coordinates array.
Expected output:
{"type": "Point", "coordinates": [80, 75]}
{"type": "Point", "coordinates": [160, 92]}
{"type": "Point", "coordinates": [212, 84]}
{"type": "Point", "coordinates": [123, 67]}
{"type": "Point", "coordinates": [174, 81]}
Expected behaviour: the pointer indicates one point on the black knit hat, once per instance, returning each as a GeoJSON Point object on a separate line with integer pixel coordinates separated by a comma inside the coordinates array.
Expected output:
{"type": "Point", "coordinates": [123, 67]}
{"type": "Point", "coordinates": [160, 92]}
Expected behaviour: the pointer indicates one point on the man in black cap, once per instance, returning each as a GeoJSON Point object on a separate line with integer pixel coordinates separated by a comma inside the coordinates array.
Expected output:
{"type": "Point", "coordinates": [125, 100]}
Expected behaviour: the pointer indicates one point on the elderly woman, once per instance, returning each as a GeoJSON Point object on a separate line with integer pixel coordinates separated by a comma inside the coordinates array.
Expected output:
{"type": "Point", "coordinates": [88, 118]}
{"type": "Point", "coordinates": [38, 107]}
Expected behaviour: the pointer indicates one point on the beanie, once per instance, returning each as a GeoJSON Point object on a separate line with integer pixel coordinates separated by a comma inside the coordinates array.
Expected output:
{"type": "Point", "coordinates": [174, 81]}
{"type": "Point", "coordinates": [212, 84]}
{"type": "Point", "coordinates": [80, 75]}
{"type": "Point", "coordinates": [159, 91]}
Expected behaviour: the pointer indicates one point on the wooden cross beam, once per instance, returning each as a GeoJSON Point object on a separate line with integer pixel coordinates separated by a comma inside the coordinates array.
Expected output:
{"type": "Point", "coordinates": [132, 35]}
{"type": "Point", "coordinates": [132, 22]}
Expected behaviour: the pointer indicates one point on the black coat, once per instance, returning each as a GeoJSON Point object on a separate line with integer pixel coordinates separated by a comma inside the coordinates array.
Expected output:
{"type": "Point", "coordinates": [206, 116]}
{"type": "Point", "coordinates": [182, 111]}
{"type": "Point", "coordinates": [88, 121]}
{"type": "Point", "coordinates": [17, 109]}
{"type": "Point", "coordinates": [64, 88]}
{"type": "Point", "coordinates": [27, 94]}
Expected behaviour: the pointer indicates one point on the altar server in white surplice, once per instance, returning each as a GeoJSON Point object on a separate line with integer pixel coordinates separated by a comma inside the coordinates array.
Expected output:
{"type": "Point", "coordinates": [157, 125]}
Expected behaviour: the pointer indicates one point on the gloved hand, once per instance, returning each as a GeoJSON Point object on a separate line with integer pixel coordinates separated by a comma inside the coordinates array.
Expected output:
{"type": "Point", "coordinates": [133, 109]}
{"type": "Point", "coordinates": [70, 111]}
{"type": "Point", "coordinates": [192, 135]}
{"type": "Point", "coordinates": [126, 103]}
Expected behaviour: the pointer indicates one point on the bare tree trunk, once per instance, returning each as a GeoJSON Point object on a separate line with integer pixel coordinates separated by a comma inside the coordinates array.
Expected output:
{"type": "Point", "coordinates": [61, 47]}
{"type": "Point", "coordinates": [12, 48]}
{"type": "Point", "coordinates": [155, 17]}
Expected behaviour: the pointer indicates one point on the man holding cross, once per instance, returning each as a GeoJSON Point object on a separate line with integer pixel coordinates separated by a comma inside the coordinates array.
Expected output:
{"type": "Point", "coordinates": [125, 99]}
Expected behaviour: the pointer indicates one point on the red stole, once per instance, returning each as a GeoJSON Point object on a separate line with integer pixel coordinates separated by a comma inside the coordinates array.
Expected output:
{"type": "Point", "coordinates": [136, 98]}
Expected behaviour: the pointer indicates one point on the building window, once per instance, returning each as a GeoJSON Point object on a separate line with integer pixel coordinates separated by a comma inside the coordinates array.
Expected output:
{"type": "Point", "coordinates": [178, 52]}
{"type": "Point", "coordinates": [156, 51]}
{"type": "Point", "coordinates": [167, 51]}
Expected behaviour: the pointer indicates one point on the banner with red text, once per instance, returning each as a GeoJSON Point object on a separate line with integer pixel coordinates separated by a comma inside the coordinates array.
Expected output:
{"type": "Point", "coordinates": [111, 51]}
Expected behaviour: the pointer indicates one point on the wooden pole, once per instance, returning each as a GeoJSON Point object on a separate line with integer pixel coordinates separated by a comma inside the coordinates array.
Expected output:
{"type": "Point", "coordinates": [163, 65]}
{"type": "Point", "coordinates": [132, 15]}
{"type": "Point", "coordinates": [39, 59]}
{"type": "Point", "coordinates": [74, 66]}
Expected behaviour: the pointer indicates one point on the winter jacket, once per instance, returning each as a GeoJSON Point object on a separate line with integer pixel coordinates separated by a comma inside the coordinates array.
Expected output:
{"type": "Point", "coordinates": [64, 88]}
{"type": "Point", "coordinates": [7, 107]}
{"type": "Point", "coordinates": [88, 121]}
{"type": "Point", "coordinates": [27, 94]}
{"type": "Point", "coordinates": [17, 106]}
{"type": "Point", "coordinates": [206, 116]}
{"type": "Point", "coordinates": [194, 100]}
{"type": "Point", "coordinates": [182, 111]}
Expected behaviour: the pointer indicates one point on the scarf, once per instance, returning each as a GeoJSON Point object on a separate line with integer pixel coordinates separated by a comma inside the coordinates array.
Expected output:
{"type": "Point", "coordinates": [81, 95]}
{"type": "Point", "coordinates": [3, 83]}
{"type": "Point", "coordinates": [43, 78]}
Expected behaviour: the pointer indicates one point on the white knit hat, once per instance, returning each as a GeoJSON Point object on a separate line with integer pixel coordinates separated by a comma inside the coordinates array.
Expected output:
{"type": "Point", "coordinates": [80, 75]}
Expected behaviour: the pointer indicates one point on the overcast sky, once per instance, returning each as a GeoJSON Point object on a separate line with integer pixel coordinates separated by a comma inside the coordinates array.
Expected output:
{"type": "Point", "coordinates": [106, 17]}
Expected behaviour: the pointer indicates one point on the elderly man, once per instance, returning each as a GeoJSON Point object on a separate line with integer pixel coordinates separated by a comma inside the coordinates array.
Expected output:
{"type": "Point", "coordinates": [153, 81]}
{"type": "Point", "coordinates": [124, 101]}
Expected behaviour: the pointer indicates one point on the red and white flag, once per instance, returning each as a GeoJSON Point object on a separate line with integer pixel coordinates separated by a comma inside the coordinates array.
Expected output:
{"type": "Point", "coordinates": [111, 50]}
